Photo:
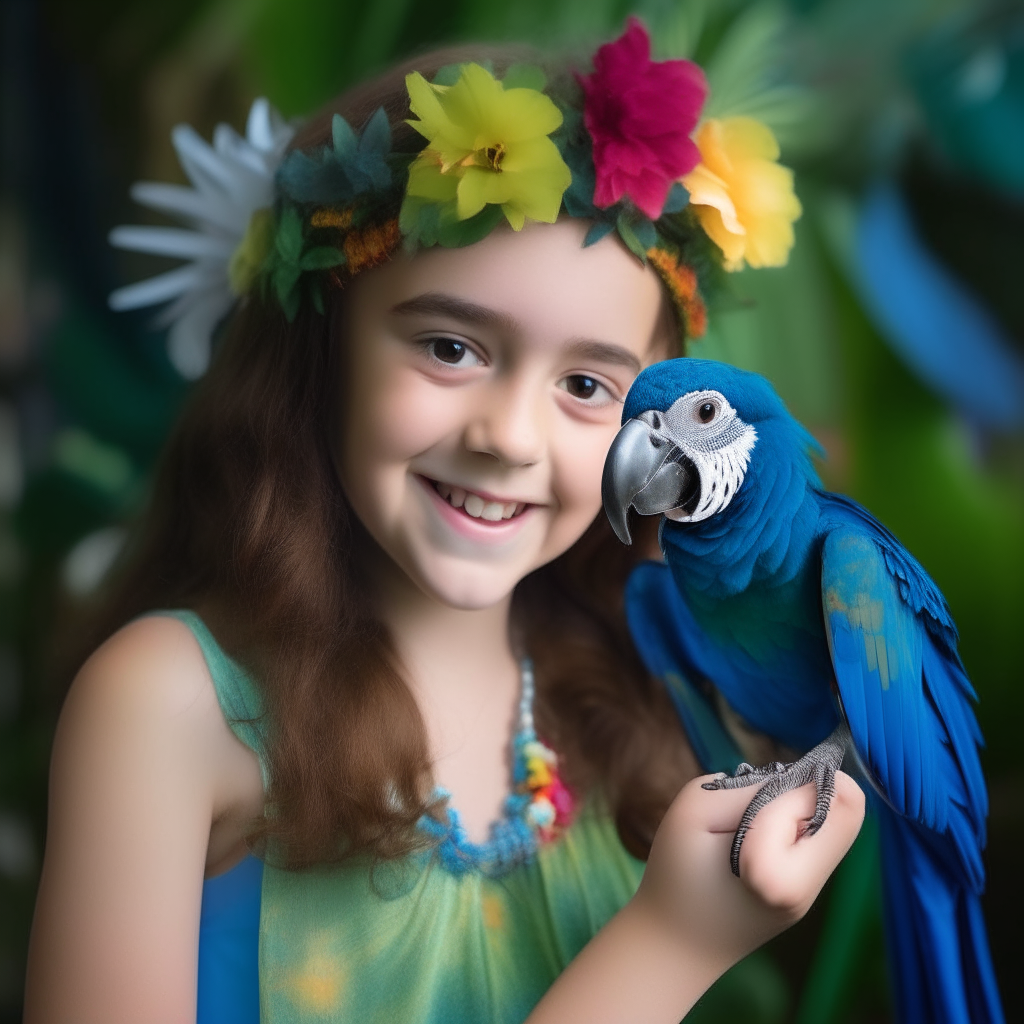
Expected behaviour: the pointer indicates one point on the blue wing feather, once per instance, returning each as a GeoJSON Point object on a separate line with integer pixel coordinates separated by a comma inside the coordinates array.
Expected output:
{"type": "Point", "coordinates": [661, 624]}
{"type": "Point", "coordinates": [901, 682]}
{"type": "Point", "coordinates": [916, 587]}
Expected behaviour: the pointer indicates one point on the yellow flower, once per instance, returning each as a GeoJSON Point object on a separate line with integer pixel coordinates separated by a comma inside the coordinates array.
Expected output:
{"type": "Point", "coordinates": [251, 252]}
{"type": "Point", "coordinates": [742, 196]}
{"type": "Point", "coordinates": [487, 145]}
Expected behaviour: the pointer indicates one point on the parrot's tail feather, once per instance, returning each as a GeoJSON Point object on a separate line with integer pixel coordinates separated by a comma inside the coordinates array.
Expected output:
{"type": "Point", "coordinates": [938, 949]}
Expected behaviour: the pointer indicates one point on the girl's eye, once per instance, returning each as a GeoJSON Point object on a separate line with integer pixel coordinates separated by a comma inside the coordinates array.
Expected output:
{"type": "Point", "coordinates": [453, 352]}
{"type": "Point", "coordinates": [586, 389]}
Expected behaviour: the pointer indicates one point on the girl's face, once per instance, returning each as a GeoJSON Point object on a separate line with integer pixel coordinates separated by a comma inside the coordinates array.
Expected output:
{"type": "Point", "coordinates": [484, 386]}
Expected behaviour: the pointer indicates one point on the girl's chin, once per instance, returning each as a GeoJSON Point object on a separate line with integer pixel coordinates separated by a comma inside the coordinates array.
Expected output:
{"type": "Point", "coordinates": [468, 588]}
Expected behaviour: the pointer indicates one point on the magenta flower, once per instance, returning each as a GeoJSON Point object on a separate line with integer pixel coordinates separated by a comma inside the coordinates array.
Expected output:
{"type": "Point", "coordinates": [640, 115]}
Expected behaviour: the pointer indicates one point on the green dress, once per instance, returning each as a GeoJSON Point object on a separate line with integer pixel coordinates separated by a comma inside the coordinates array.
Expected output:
{"type": "Point", "coordinates": [411, 941]}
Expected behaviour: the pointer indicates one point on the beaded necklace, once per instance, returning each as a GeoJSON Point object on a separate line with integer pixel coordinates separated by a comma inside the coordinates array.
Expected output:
{"type": "Point", "coordinates": [535, 812]}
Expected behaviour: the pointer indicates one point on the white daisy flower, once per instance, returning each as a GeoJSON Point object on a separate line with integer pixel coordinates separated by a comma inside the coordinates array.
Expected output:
{"type": "Point", "coordinates": [232, 180]}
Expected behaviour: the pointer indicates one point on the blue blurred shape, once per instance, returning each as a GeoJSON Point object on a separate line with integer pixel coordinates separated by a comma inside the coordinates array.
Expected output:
{"type": "Point", "coordinates": [970, 84]}
{"type": "Point", "coordinates": [936, 325]}
{"type": "Point", "coordinates": [229, 935]}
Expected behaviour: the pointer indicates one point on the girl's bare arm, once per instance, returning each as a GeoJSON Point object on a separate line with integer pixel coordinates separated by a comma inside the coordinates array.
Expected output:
{"type": "Point", "coordinates": [142, 763]}
{"type": "Point", "coordinates": [692, 919]}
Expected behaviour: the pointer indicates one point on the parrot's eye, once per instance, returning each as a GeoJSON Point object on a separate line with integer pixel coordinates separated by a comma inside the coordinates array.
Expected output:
{"type": "Point", "coordinates": [706, 413]}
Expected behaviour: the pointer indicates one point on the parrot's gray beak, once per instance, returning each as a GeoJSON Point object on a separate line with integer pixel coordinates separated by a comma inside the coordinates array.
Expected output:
{"type": "Point", "coordinates": [647, 471]}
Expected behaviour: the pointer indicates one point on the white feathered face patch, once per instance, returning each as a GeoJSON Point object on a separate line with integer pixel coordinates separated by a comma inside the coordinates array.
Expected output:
{"type": "Point", "coordinates": [710, 434]}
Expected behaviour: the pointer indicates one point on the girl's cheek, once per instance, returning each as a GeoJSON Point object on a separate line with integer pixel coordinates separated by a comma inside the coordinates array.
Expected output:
{"type": "Point", "coordinates": [581, 463]}
{"type": "Point", "coordinates": [403, 415]}
{"type": "Point", "coordinates": [577, 479]}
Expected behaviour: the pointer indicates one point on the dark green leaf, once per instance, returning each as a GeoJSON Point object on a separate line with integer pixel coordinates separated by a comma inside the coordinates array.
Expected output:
{"type": "Point", "coordinates": [579, 196]}
{"type": "Point", "coordinates": [453, 233]}
{"type": "Point", "coordinates": [286, 276]}
{"type": "Point", "coordinates": [345, 142]}
{"type": "Point", "coordinates": [629, 236]}
{"type": "Point", "coordinates": [597, 231]}
{"type": "Point", "coordinates": [290, 304]}
{"type": "Point", "coordinates": [376, 135]}
{"type": "Point", "coordinates": [448, 75]}
{"type": "Point", "coordinates": [289, 235]}
{"type": "Point", "coordinates": [321, 257]}
{"type": "Point", "coordinates": [678, 198]}
{"type": "Point", "coordinates": [646, 233]}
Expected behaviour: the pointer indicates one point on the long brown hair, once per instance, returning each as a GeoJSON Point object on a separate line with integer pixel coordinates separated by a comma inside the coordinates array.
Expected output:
{"type": "Point", "coordinates": [249, 525]}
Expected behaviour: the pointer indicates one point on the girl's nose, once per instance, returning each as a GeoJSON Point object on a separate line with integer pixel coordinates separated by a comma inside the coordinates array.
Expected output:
{"type": "Point", "coordinates": [508, 424]}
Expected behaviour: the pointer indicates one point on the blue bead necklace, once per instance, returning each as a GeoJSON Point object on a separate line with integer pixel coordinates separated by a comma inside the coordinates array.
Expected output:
{"type": "Point", "coordinates": [536, 810]}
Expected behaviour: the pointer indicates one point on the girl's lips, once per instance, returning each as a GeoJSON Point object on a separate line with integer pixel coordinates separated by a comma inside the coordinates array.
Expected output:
{"type": "Point", "coordinates": [470, 526]}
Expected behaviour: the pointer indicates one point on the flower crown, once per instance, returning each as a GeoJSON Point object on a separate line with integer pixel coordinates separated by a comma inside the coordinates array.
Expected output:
{"type": "Point", "coordinates": [623, 147]}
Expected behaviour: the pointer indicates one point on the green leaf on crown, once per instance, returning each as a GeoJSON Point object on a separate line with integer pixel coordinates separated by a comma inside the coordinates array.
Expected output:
{"type": "Point", "coordinates": [424, 223]}
{"type": "Point", "coordinates": [351, 166]}
{"type": "Point", "coordinates": [288, 241]}
{"type": "Point", "coordinates": [321, 257]}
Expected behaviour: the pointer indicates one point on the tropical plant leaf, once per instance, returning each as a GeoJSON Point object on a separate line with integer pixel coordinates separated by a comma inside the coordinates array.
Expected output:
{"type": "Point", "coordinates": [344, 138]}
{"type": "Point", "coordinates": [286, 276]}
{"type": "Point", "coordinates": [453, 234]}
{"type": "Point", "coordinates": [288, 241]}
{"type": "Point", "coordinates": [290, 304]}
{"type": "Point", "coordinates": [321, 257]}
{"type": "Point", "coordinates": [376, 135]}
{"type": "Point", "coordinates": [447, 75]}
{"type": "Point", "coordinates": [678, 199]}
{"type": "Point", "coordinates": [628, 235]}
{"type": "Point", "coordinates": [597, 231]}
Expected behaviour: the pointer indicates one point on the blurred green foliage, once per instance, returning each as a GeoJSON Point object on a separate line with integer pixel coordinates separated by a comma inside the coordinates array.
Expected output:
{"type": "Point", "coordinates": [91, 92]}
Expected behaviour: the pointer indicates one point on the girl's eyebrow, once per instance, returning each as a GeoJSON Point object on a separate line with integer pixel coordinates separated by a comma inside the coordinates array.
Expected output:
{"type": "Point", "coordinates": [603, 352]}
{"type": "Point", "coordinates": [439, 304]}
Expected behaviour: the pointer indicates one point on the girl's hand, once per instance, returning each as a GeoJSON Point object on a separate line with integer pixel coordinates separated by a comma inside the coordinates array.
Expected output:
{"type": "Point", "coordinates": [691, 918]}
{"type": "Point", "coordinates": [689, 888]}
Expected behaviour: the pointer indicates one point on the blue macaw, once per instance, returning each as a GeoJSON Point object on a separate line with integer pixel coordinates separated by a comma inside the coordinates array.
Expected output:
{"type": "Point", "coordinates": [820, 630]}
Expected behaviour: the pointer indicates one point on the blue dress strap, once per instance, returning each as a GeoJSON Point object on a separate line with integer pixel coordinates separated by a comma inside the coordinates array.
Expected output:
{"type": "Point", "coordinates": [229, 920]}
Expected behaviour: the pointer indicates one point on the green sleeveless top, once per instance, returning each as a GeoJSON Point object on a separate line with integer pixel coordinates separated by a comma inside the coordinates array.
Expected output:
{"type": "Point", "coordinates": [411, 941]}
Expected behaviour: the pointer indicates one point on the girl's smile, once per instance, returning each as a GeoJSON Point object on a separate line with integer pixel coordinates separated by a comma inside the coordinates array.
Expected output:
{"type": "Point", "coordinates": [479, 407]}
{"type": "Point", "coordinates": [477, 505]}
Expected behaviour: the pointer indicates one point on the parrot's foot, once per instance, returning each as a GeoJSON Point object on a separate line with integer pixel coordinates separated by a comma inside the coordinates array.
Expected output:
{"type": "Point", "coordinates": [818, 765]}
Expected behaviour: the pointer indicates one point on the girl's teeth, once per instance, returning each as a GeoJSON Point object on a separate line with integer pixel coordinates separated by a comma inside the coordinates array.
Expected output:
{"type": "Point", "coordinates": [474, 505]}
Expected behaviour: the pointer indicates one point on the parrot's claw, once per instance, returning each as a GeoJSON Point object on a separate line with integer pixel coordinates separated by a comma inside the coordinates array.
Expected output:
{"type": "Point", "coordinates": [818, 765]}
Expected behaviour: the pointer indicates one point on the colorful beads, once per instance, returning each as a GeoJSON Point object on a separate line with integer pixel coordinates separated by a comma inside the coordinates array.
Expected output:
{"type": "Point", "coordinates": [539, 807]}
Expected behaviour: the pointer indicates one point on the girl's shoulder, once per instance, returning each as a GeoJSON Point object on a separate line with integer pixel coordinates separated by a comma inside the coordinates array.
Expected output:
{"type": "Point", "coordinates": [149, 787]}
{"type": "Point", "coordinates": [151, 671]}
{"type": "Point", "coordinates": [157, 689]}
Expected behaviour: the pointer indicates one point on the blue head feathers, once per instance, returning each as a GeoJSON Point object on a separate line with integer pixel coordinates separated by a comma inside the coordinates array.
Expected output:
{"type": "Point", "coordinates": [658, 387]}
{"type": "Point", "coordinates": [714, 448]}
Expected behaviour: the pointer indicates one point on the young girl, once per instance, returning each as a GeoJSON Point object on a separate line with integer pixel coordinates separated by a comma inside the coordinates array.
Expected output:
{"type": "Point", "coordinates": [374, 572]}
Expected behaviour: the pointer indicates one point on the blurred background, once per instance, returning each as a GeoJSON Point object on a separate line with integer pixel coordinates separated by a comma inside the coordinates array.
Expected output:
{"type": "Point", "coordinates": [896, 334]}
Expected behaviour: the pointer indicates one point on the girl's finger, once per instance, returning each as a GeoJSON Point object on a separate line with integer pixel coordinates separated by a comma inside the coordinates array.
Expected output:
{"type": "Point", "coordinates": [717, 810]}
{"type": "Point", "coordinates": [782, 862]}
